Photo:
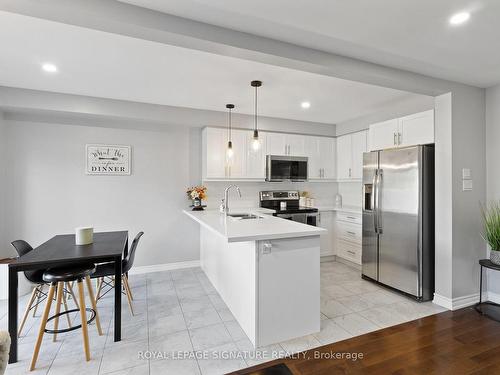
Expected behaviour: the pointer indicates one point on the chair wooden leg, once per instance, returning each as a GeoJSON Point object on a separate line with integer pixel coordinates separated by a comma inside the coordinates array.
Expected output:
{"type": "Point", "coordinates": [28, 307]}
{"type": "Point", "coordinates": [99, 289]}
{"type": "Point", "coordinates": [60, 291]}
{"type": "Point", "coordinates": [70, 289]}
{"type": "Point", "coordinates": [65, 302]}
{"type": "Point", "coordinates": [128, 286]}
{"type": "Point", "coordinates": [94, 305]}
{"type": "Point", "coordinates": [83, 317]}
{"type": "Point", "coordinates": [38, 297]}
{"type": "Point", "coordinates": [43, 324]}
{"type": "Point", "coordinates": [127, 291]}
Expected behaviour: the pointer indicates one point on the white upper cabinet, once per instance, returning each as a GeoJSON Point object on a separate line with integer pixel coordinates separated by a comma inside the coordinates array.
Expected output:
{"type": "Point", "coordinates": [359, 147]}
{"type": "Point", "coordinates": [383, 135]}
{"type": "Point", "coordinates": [416, 129]}
{"type": "Point", "coordinates": [214, 153]}
{"type": "Point", "coordinates": [245, 164]}
{"type": "Point", "coordinates": [350, 149]}
{"type": "Point", "coordinates": [237, 165]}
{"type": "Point", "coordinates": [249, 164]}
{"type": "Point", "coordinates": [321, 152]}
{"type": "Point", "coordinates": [276, 144]}
{"type": "Point", "coordinates": [296, 144]}
{"type": "Point", "coordinates": [256, 159]}
{"type": "Point", "coordinates": [285, 144]}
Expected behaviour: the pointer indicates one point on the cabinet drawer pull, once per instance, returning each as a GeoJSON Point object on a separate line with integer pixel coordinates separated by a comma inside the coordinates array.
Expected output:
{"type": "Point", "coordinates": [351, 217]}
{"type": "Point", "coordinates": [353, 233]}
{"type": "Point", "coordinates": [351, 252]}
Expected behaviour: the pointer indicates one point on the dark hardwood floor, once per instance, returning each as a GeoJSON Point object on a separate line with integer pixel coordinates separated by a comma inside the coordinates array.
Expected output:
{"type": "Point", "coordinates": [453, 342]}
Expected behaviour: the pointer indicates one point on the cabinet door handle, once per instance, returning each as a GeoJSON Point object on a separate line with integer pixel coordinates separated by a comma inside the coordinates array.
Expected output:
{"type": "Point", "coordinates": [394, 139]}
{"type": "Point", "coordinates": [399, 138]}
{"type": "Point", "coordinates": [349, 172]}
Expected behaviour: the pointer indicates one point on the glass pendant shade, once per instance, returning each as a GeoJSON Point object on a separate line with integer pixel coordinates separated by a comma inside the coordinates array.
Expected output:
{"type": "Point", "coordinates": [255, 141]}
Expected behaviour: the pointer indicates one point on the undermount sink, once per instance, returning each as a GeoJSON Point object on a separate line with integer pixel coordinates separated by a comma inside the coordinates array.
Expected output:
{"type": "Point", "coordinates": [244, 216]}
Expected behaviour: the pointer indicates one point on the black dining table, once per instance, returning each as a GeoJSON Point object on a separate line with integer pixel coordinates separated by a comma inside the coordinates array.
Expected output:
{"type": "Point", "coordinates": [62, 251]}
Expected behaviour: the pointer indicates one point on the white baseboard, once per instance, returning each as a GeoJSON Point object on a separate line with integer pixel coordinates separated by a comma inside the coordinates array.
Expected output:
{"type": "Point", "coordinates": [164, 267]}
{"type": "Point", "coordinates": [456, 303]}
{"type": "Point", "coordinates": [492, 297]}
{"type": "Point", "coordinates": [347, 262]}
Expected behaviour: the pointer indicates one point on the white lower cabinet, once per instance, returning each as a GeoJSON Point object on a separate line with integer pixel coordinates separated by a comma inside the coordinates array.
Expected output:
{"type": "Point", "coordinates": [326, 221]}
{"type": "Point", "coordinates": [348, 236]}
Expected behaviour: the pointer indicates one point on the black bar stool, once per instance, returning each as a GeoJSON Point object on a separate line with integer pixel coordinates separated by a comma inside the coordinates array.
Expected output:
{"type": "Point", "coordinates": [57, 277]}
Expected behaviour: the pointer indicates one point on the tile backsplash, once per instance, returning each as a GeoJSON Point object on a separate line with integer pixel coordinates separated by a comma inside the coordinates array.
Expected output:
{"type": "Point", "coordinates": [323, 192]}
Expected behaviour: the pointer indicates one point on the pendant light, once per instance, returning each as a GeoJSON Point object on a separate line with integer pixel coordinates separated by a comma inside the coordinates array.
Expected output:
{"type": "Point", "coordinates": [229, 150]}
{"type": "Point", "coordinates": [256, 140]}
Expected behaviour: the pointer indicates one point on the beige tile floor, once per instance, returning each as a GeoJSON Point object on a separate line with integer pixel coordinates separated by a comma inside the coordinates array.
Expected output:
{"type": "Point", "coordinates": [181, 311]}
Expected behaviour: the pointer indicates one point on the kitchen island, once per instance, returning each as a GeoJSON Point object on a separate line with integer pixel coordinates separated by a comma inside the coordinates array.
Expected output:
{"type": "Point", "coordinates": [267, 271]}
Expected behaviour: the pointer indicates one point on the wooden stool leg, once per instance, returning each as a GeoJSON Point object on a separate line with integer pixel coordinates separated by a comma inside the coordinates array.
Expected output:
{"type": "Point", "coordinates": [127, 291]}
{"type": "Point", "coordinates": [39, 296]}
{"type": "Point", "coordinates": [43, 324]}
{"type": "Point", "coordinates": [70, 288]}
{"type": "Point", "coordinates": [94, 305]}
{"type": "Point", "coordinates": [83, 317]}
{"type": "Point", "coordinates": [28, 307]}
{"type": "Point", "coordinates": [66, 308]}
{"type": "Point", "coordinates": [60, 290]}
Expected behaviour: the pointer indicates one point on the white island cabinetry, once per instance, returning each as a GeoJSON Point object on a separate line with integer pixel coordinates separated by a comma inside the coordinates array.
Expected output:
{"type": "Point", "coordinates": [266, 270]}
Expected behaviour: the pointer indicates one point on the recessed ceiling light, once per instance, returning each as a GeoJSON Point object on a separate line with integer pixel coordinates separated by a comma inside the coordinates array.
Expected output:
{"type": "Point", "coordinates": [459, 18]}
{"type": "Point", "coordinates": [305, 105]}
{"type": "Point", "coordinates": [49, 68]}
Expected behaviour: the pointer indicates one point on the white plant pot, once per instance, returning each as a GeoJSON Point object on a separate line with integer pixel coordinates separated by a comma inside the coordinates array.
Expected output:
{"type": "Point", "coordinates": [495, 257]}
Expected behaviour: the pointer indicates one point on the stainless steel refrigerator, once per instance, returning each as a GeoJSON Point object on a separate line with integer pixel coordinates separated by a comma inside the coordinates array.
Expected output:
{"type": "Point", "coordinates": [398, 219]}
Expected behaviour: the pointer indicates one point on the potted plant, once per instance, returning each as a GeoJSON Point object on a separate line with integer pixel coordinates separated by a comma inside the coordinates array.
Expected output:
{"type": "Point", "coordinates": [197, 194]}
{"type": "Point", "coordinates": [491, 229]}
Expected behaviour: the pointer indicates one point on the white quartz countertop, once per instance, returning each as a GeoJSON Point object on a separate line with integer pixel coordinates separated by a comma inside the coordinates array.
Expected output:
{"type": "Point", "coordinates": [347, 209]}
{"type": "Point", "coordinates": [267, 228]}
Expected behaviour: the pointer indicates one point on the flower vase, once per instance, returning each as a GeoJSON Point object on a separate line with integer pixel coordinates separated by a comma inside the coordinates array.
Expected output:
{"type": "Point", "coordinates": [197, 206]}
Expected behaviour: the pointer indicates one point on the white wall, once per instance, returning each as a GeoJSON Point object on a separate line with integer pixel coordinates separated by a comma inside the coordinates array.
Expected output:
{"type": "Point", "coordinates": [48, 192]}
{"type": "Point", "coordinates": [468, 149]}
{"type": "Point", "coordinates": [3, 143]}
{"type": "Point", "coordinates": [492, 162]}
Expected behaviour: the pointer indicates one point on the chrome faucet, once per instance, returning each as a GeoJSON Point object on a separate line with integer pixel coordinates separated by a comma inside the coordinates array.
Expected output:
{"type": "Point", "coordinates": [224, 207]}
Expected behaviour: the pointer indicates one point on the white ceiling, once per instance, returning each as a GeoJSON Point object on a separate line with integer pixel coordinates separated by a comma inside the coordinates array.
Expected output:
{"type": "Point", "coordinates": [100, 64]}
{"type": "Point", "coordinates": [408, 34]}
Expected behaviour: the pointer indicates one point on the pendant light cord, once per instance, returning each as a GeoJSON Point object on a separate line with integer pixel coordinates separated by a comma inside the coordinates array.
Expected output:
{"type": "Point", "coordinates": [230, 111]}
{"type": "Point", "coordinates": [255, 125]}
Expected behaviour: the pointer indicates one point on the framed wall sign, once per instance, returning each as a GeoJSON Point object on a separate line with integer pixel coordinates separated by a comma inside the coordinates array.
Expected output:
{"type": "Point", "coordinates": [107, 160]}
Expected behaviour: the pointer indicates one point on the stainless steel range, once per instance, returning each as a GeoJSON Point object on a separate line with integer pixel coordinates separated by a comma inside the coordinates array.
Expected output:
{"type": "Point", "coordinates": [286, 205]}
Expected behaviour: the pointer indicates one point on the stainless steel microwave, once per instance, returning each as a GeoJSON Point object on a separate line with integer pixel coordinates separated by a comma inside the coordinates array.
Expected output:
{"type": "Point", "coordinates": [286, 168]}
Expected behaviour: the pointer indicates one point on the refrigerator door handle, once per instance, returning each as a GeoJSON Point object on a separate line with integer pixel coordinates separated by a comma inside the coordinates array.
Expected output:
{"type": "Point", "coordinates": [374, 200]}
{"type": "Point", "coordinates": [377, 201]}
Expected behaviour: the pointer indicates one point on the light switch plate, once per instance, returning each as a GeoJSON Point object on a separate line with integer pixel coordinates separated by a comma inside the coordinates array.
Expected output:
{"type": "Point", "coordinates": [466, 174]}
{"type": "Point", "coordinates": [467, 185]}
